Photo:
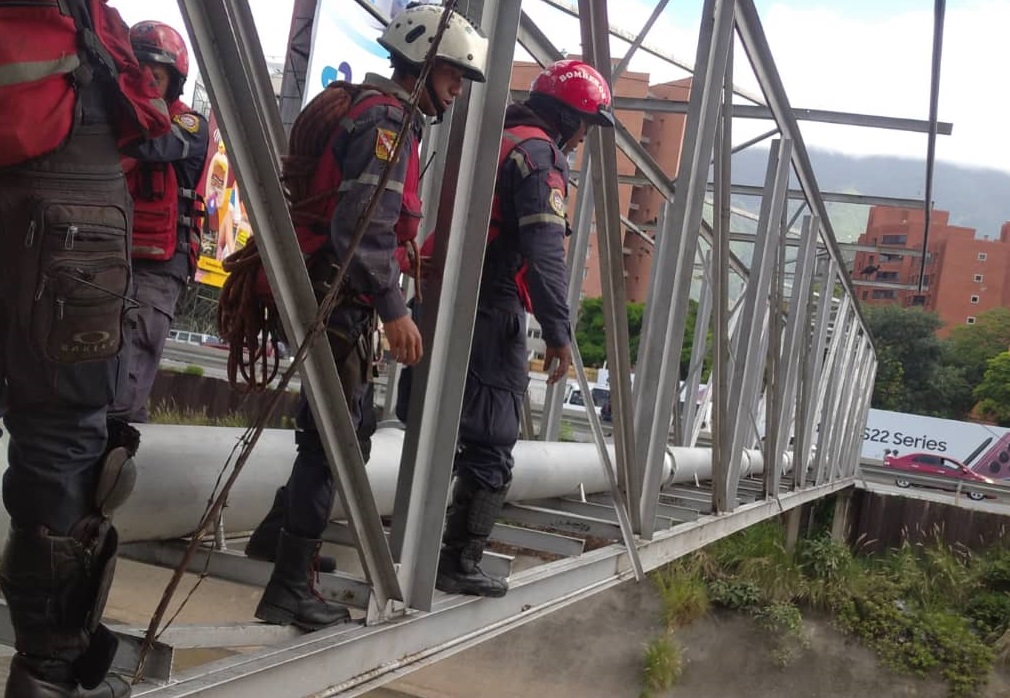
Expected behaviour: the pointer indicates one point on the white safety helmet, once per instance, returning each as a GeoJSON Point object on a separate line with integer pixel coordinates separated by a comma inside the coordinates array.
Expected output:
{"type": "Point", "coordinates": [411, 33]}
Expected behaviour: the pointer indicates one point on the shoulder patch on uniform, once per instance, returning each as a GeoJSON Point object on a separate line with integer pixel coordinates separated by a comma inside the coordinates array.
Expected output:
{"type": "Point", "coordinates": [558, 202]}
{"type": "Point", "coordinates": [555, 180]}
{"type": "Point", "coordinates": [385, 143]}
{"type": "Point", "coordinates": [188, 122]}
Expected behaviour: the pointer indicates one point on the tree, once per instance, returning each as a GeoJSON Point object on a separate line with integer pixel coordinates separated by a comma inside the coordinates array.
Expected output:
{"type": "Point", "coordinates": [591, 332]}
{"type": "Point", "coordinates": [970, 347]}
{"type": "Point", "coordinates": [993, 393]}
{"type": "Point", "coordinates": [909, 355]}
{"type": "Point", "coordinates": [889, 387]}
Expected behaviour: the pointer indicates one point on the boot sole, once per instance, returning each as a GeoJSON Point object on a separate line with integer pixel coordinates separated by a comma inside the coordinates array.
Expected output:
{"type": "Point", "coordinates": [453, 588]}
{"type": "Point", "coordinates": [275, 615]}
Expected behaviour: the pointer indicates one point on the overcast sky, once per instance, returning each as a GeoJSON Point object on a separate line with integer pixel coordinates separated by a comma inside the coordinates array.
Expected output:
{"type": "Point", "coordinates": [864, 56]}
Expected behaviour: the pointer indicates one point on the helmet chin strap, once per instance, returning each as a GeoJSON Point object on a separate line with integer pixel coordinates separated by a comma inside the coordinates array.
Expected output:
{"type": "Point", "coordinates": [568, 124]}
{"type": "Point", "coordinates": [435, 101]}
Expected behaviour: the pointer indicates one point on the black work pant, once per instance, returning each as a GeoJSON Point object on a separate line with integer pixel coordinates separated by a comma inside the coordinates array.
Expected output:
{"type": "Point", "coordinates": [64, 269]}
{"type": "Point", "coordinates": [157, 291]}
{"type": "Point", "coordinates": [310, 489]}
{"type": "Point", "coordinates": [496, 381]}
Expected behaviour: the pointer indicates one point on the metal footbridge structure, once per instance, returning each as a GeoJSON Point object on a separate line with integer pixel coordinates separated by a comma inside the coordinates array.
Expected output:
{"type": "Point", "coordinates": [792, 365]}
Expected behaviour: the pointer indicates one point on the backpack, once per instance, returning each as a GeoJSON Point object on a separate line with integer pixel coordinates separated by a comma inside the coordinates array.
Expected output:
{"type": "Point", "coordinates": [247, 315]}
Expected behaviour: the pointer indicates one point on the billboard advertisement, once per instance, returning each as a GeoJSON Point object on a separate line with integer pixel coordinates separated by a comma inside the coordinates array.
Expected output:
{"type": "Point", "coordinates": [344, 48]}
{"type": "Point", "coordinates": [344, 43]}
{"type": "Point", "coordinates": [982, 447]}
{"type": "Point", "coordinates": [226, 225]}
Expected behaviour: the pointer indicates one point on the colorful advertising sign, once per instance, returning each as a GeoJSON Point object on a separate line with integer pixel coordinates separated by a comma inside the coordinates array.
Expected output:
{"type": "Point", "coordinates": [982, 447]}
{"type": "Point", "coordinates": [344, 43]}
{"type": "Point", "coordinates": [344, 47]}
{"type": "Point", "coordinates": [226, 225]}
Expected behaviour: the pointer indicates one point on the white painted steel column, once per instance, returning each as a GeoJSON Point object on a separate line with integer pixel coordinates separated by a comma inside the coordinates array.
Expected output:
{"type": "Point", "coordinates": [658, 369]}
{"type": "Point", "coordinates": [228, 51]}
{"type": "Point", "coordinates": [437, 395]}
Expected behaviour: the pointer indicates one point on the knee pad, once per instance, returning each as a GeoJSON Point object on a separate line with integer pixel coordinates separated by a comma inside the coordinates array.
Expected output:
{"type": "Point", "coordinates": [117, 472]}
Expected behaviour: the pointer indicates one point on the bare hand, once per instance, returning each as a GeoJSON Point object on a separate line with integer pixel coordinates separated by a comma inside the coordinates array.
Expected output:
{"type": "Point", "coordinates": [563, 355]}
{"type": "Point", "coordinates": [404, 340]}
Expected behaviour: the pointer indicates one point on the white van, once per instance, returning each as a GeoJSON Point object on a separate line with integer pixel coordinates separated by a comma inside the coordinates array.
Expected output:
{"type": "Point", "coordinates": [196, 338]}
{"type": "Point", "coordinates": [574, 403]}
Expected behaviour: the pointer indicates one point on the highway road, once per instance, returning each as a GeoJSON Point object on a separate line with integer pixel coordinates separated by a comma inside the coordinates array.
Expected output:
{"type": "Point", "coordinates": [214, 362]}
{"type": "Point", "coordinates": [875, 477]}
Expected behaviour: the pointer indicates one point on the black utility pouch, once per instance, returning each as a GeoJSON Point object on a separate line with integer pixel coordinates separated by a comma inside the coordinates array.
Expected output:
{"type": "Point", "coordinates": [81, 279]}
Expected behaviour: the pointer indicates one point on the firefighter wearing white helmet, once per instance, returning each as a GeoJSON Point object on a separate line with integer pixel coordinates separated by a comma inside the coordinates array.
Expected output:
{"type": "Point", "coordinates": [411, 33]}
{"type": "Point", "coordinates": [341, 146]}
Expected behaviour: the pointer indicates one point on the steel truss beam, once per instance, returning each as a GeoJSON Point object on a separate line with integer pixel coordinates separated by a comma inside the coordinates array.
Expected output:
{"type": "Point", "coordinates": [658, 369]}
{"type": "Point", "coordinates": [296, 62]}
{"type": "Point", "coordinates": [350, 661]}
{"type": "Point", "coordinates": [437, 397]}
{"type": "Point", "coordinates": [755, 44]}
{"type": "Point", "coordinates": [228, 51]}
{"type": "Point", "coordinates": [603, 151]}
{"type": "Point", "coordinates": [753, 111]}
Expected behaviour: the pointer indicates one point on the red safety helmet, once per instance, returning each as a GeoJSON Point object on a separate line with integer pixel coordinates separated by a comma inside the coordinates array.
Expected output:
{"type": "Point", "coordinates": [156, 42]}
{"type": "Point", "coordinates": [580, 87]}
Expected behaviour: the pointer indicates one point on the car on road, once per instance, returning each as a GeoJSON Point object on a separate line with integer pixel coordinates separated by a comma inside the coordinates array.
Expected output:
{"type": "Point", "coordinates": [931, 464]}
{"type": "Point", "coordinates": [575, 405]}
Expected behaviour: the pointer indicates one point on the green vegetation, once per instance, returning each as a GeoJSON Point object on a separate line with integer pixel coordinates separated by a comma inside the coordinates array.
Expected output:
{"type": "Point", "coordinates": [193, 370]}
{"type": "Point", "coordinates": [993, 393]}
{"type": "Point", "coordinates": [168, 413]}
{"type": "Point", "coordinates": [929, 610]}
{"type": "Point", "coordinates": [591, 333]}
{"type": "Point", "coordinates": [663, 665]}
{"type": "Point", "coordinates": [566, 432]}
{"type": "Point", "coordinates": [919, 373]}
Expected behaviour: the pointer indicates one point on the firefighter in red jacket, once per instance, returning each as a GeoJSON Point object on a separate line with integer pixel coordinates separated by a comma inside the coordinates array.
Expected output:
{"type": "Point", "coordinates": [524, 270]}
{"type": "Point", "coordinates": [72, 91]}
{"type": "Point", "coordinates": [357, 152]}
{"type": "Point", "coordinates": [162, 174]}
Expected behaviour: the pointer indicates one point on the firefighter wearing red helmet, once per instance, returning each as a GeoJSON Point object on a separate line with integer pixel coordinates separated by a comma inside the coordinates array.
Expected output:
{"type": "Point", "coordinates": [72, 92]}
{"type": "Point", "coordinates": [162, 174]}
{"type": "Point", "coordinates": [524, 271]}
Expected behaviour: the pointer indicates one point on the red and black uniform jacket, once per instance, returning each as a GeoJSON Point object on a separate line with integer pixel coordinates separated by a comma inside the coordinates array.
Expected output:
{"type": "Point", "coordinates": [47, 49]}
{"type": "Point", "coordinates": [162, 174]}
{"type": "Point", "coordinates": [353, 164]}
{"type": "Point", "coordinates": [530, 212]}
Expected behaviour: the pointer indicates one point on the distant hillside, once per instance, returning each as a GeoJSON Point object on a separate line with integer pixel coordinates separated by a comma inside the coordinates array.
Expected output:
{"type": "Point", "coordinates": [976, 198]}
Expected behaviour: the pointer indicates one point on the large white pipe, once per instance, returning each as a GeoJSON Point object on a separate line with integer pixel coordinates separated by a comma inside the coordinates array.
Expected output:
{"type": "Point", "coordinates": [178, 467]}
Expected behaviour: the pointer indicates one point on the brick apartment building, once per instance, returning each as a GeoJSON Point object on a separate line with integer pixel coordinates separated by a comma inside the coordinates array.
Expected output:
{"type": "Point", "coordinates": [661, 135]}
{"type": "Point", "coordinates": [964, 275]}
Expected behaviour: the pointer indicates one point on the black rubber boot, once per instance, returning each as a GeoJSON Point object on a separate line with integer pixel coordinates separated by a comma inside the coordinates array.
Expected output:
{"type": "Point", "coordinates": [32, 677]}
{"type": "Point", "coordinates": [56, 588]}
{"type": "Point", "coordinates": [263, 542]}
{"type": "Point", "coordinates": [469, 521]}
{"type": "Point", "coordinates": [290, 597]}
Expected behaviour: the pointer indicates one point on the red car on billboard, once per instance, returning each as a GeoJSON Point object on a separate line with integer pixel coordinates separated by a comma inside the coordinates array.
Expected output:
{"type": "Point", "coordinates": [933, 465]}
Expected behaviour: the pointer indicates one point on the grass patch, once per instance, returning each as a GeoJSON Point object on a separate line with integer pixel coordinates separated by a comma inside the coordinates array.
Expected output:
{"type": "Point", "coordinates": [566, 432]}
{"type": "Point", "coordinates": [684, 595]}
{"type": "Point", "coordinates": [663, 665]}
{"type": "Point", "coordinates": [929, 610]}
{"type": "Point", "coordinates": [169, 413]}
